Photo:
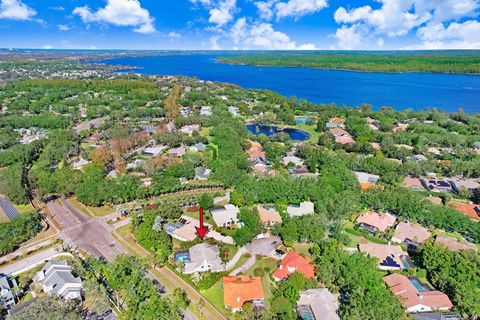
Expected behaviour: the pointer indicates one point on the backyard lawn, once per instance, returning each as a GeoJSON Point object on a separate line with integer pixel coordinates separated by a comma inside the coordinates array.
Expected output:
{"type": "Point", "coordinates": [215, 296]}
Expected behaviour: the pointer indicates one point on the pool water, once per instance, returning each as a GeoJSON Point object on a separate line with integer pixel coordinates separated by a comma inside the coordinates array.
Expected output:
{"type": "Point", "coordinates": [294, 134]}
{"type": "Point", "coordinates": [419, 285]}
{"type": "Point", "coordinates": [302, 120]}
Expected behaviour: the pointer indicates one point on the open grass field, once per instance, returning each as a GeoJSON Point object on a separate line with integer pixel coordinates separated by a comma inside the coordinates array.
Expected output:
{"type": "Point", "coordinates": [215, 296]}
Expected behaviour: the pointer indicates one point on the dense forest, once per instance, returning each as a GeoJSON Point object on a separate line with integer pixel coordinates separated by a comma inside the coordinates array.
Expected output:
{"type": "Point", "coordinates": [461, 62]}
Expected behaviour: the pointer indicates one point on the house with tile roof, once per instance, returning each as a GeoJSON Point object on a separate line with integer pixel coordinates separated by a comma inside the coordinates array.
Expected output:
{"type": "Point", "coordinates": [294, 262]}
{"type": "Point", "coordinates": [269, 215]}
{"type": "Point", "coordinates": [318, 304]}
{"type": "Point", "coordinates": [374, 222]}
{"type": "Point", "coordinates": [341, 136]}
{"type": "Point", "coordinates": [239, 290]}
{"type": "Point", "coordinates": [469, 209]}
{"type": "Point", "coordinates": [410, 234]}
{"type": "Point", "coordinates": [389, 257]}
{"type": "Point", "coordinates": [416, 296]}
{"type": "Point", "coordinates": [413, 183]}
{"type": "Point", "coordinates": [453, 243]}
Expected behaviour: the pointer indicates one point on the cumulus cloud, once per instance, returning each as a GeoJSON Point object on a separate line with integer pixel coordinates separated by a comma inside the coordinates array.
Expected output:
{"type": "Point", "coordinates": [223, 13]}
{"type": "Point", "coordinates": [15, 10]}
{"type": "Point", "coordinates": [174, 34]}
{"type": "Point", "coordinates": [456, 36]}
{"type": "Point", "coordinates": [396, 18]}
{"type": "Point", "coordinates": [63, 27]}
{"type": "Point", "coordinates": [263, 36]}
{"type": "Point", "coordinates": [120, 13]}
{"type": "Point", "coordinates": [290, 8]}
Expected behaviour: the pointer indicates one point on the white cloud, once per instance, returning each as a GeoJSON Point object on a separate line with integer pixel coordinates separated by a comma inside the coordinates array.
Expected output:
{"type": "Point", "coordinates": [120, 13]}
{"type": "Point", "coordinates": [15, 10]}
{"type": "Point", "coordinates": [456, 36]}
{"type": "Point", "coordinates": [214, 43]}
{"type": "Point", "coordinates": [223, 12]}
{"type": "Point", "coordinates": [364, 26]}
{"type": "Point", "coordinates": [174, 34]}
{"type": "Point", "coordinates": [47, 47]}
{"type": "Point", "coordinates": [63, 27]}
{"type": "Point", "coordinates": [299, 8]}
{"type": "Point", "coordinates": [290, 8]}
{"type": "Point", "coordinates": [263, 36]}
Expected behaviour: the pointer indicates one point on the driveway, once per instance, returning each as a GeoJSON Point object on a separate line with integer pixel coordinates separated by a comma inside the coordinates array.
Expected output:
{"type": "Point", "coordinates": [244, 267]}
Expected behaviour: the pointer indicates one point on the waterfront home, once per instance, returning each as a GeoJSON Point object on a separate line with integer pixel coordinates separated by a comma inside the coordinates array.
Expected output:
{"type": "Point", "coordinates": [225, 216]}
{"type": "Point", "coordinates": [453, 243]}
{"type": "Point", "coordinates": [269, 215]}
{"type": "Point", "coordinates": [57, 278]}
{"type": "Point", "coordinates": [239, 290]}
{"type": "Point", "coordinates": [7, 297]}
{"type": "Point", "coordinates": [318, 304]}
{"type": "Point", "coordinates": [202, 257]}
{"type": "Point", "coordinates": [389, 257]}
{"type": "Point", "coordinates": [294, 262]}
{"type": "Point", "coordinates": [413, 183]}
{"type": "Point", "coordinates": [469, 209]}
{"type": "Point", "coordinates": [416, 296]}
{"type": "Point", "coordinates": [410, 234]}
{"type": "Point", "coordinates": [202, 173]}
{"type": "Point", "coordinates": [374, 222]}
{"type": "Point", "coordinates": [300, 209]}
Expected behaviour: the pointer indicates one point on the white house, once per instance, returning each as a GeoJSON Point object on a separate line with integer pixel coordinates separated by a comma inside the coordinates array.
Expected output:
{"type": "Point", "coordinates": [301, 209]}
{"type": "Point", "coordinates": [203, 257]}
{"type": "Point", "coordinates": [57, 279]}
{"type": "Point", "coordinates": [225, 216]}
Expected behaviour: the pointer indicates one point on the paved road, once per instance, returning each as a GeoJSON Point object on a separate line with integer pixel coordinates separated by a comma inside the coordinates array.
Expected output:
{"type": "Point", "coordinates": [89, 234]}
{"type": "Point", "coordinates": [30, 262]}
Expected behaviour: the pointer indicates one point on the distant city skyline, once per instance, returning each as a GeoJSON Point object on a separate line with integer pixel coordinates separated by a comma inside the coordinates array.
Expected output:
{"type": "Point", "coordinates": [240, 24]}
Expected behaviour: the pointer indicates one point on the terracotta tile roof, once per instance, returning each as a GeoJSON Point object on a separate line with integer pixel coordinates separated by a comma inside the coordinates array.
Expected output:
{"type": "Point", "coordinates": [381, 221]}
{"type": "Point", "coordinates": [415, 232]}
{"type": "Point", "coordinates": [294, 262]}
{"type": "Point", "coordinates": [337, 120]}
{"type": "Point", "coordinates": [410, 297]}
{"type": "Point", "coordinates": [466, 208]}
{"type": "Point", "coordinates": [454, 244]}
{"type": "Point", "coordinates": [268, 215]}
{"type": "Point", "coordinates": [238, 290]}
{"type": "Point", "coordinates": [412, 183]}
{"type": "Point", "coordinates": [338, 132]}
{"type": "Point", "coordinates": [383, 252]}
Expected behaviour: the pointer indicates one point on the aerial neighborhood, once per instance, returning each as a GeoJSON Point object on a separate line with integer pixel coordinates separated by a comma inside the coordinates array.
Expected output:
{"type": "Point", "coordinates": [127, 196]}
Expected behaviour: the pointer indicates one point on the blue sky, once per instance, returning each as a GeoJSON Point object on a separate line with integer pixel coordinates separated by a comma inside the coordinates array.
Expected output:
{"type": "Point", "coordinates": [240, 24]}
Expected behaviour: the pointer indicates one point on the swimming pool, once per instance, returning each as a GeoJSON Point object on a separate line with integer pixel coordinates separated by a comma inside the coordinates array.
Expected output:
{"type": "Point", "coordinates": [421, 287]}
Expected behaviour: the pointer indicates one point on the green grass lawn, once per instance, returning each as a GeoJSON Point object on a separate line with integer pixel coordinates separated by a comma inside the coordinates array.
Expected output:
{"type": "Point", "coordinates": [302, 248]}
{"type": "Point", "coordinates": [311, 129]}
{"type": "Point", "coordinates": [240, 261]}
{"type": "Point", "coordinates": [263, 263]}
{"type": "Point", "coordinates": [215, 296]}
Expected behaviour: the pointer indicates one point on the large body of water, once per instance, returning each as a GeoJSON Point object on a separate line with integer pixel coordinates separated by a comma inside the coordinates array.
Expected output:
{"type": "Point", "coordinates": [404, 90]}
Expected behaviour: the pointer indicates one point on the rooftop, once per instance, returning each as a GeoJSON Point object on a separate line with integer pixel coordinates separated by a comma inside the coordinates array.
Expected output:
{"type": "Point", "coordinates": [238, 290]}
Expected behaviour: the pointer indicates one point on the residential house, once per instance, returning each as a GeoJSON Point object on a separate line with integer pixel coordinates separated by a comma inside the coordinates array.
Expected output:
{"type": "Point", "coordinates": [57, 278]}
{"type": "Point", "coordinates": [202, 257]}
{"type": "Point", "coordinates": [202, 173]}
{"type": "Point", "coordinates": [7, 297]}
{"type": "Point", "coordinates": [439, 186]}
{"type": "Point", "coordinates": [185, 111]}
{"type": "Point", "coordinates": [410, 234]}
{"type": "Point", "coordinates": [269, 215]}
{"type": "Point", "coordinates": [300, 209]}
{"type": "Point", "coordinates": [294, 262]}
{"type": "Point", "coordinates": [469, 185]}
{"type": "Point", "coordinates": [390, 257]}
{"type": "Point", "coordinates": [318, 304]}
{"type": "Point", "coordinates": [416, 296]}
{"type": "Point", "coordinates": [437, 316]}
{"type": "Point", "coordinates": [225, 216]}
{"type": "Point", "coordinates": [190, 129]}
{"type": "Point", "coordinates": [417, 158]}
{"type": "Point", "coordinates": [341, 136]}
{"type": "Point", "coordinates": [206, 111]}
{"type": "Point", "coordinates": [153, 151]}
{"type": "Point", "coordinates": [453, 243]}
{"type": "Point", "coordinates": [238, 290]}
{"type": "Point", "coordinates": [184, 230]}
{"type": "Point", "coordinates": [413, 183]}
{"type": "Point", "coordinates": [335, 122]}
{"type": "Point", "coordinates": [258, 157]}
{"type": "Point", "coordinates": [177, 152]}
{"type": "Point", "coordinates": [400, 127]}
{"type": "Point", "coordinates": [435, 200]}
{"type": "Point", "coordinates": [469, 209]}
{"type": "Point", "coordinates": [79, 164]}
{"type": "Point", "coordinates": [136, 164]}
{"type": "Point", "coordinates": [366, 180]}
{"type": "Point", "coordinates": [374, 222]}
{"type": "Point", "coordinates": [234, 111]}
{"type": "Point", "coordinates": [198, 147]}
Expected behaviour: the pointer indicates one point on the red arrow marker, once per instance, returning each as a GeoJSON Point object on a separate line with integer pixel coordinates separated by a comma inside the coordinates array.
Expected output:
{"type": "Point", "coordinates": [202, 229]}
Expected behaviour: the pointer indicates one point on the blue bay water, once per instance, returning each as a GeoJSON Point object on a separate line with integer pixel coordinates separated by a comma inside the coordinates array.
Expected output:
{"type": "Point", "coordinates": [401, 91]}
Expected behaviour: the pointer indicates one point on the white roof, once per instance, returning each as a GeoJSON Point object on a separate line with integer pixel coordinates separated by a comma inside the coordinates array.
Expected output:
{"type": "Point", "coordinates": [225, 215]}
{"type": "Point", "coordinates": [302, 209]}
{"type": "Point", "coordinates": [323, 304]}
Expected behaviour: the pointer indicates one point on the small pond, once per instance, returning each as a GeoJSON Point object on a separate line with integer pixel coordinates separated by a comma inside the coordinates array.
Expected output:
{"type": "Point", "coordinates": [294, 134]}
